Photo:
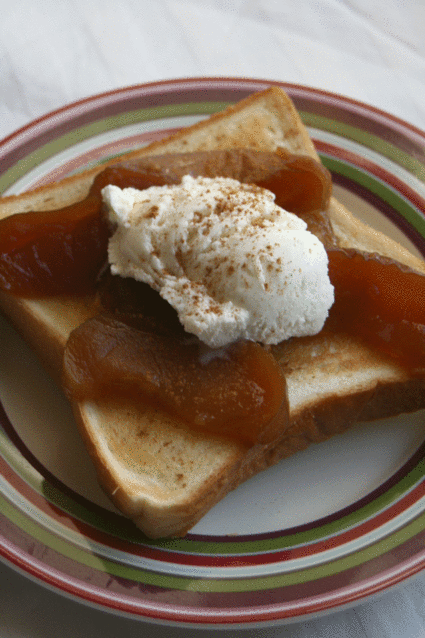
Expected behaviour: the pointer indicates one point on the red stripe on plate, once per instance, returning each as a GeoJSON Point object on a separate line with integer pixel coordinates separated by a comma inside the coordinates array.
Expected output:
{"type": "Point", "coordinates": [101, 154]}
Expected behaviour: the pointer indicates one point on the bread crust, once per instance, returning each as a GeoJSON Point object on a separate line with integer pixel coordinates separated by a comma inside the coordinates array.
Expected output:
{"type": "Point", "coordinates": [156, 471]}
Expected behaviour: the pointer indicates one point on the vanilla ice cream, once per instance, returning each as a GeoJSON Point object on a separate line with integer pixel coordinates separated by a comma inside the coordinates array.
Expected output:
{"type": "Point", "coordinates": [231, 262]}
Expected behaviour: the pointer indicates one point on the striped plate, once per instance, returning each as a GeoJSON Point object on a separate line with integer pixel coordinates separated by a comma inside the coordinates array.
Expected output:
{"type": "Point", "coordinates": [324, 529]}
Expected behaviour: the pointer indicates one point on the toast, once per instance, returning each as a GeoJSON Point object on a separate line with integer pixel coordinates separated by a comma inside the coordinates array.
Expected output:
{"type": "Point", "coordinates": [161, 475]}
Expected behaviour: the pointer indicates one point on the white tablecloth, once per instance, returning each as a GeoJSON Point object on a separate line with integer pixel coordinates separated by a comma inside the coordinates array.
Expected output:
{"type": "Point", "coordinates": [56, 51]}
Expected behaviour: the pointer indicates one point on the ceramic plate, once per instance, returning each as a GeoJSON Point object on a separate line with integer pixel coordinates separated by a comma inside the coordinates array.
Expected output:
{"type": "Point", "coordinates": [322, 530]}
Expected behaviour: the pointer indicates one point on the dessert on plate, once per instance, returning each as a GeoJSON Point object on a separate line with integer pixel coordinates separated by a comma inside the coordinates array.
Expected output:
{"type": "Point", "coordinates": [209, 308]}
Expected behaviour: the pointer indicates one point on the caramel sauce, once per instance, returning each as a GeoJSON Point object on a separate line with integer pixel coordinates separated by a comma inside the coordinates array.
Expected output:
{"type": "Point", "coordinates": [136, 347]}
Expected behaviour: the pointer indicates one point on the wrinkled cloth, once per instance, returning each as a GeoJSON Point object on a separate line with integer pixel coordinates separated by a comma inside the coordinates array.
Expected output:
{"type": "Point", "coordinates": [53, 53]}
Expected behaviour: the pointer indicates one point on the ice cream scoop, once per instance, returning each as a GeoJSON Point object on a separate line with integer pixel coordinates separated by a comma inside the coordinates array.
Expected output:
{"type": "Point", "coordinates": [231, 262]}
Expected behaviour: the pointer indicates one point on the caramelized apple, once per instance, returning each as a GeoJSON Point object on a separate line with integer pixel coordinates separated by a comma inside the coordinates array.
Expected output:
{"type": "Point", "coordinates": [236, 392]}
{"type": "Point", "coordinates": [381, 301]}
{"type": "Point", "coordinates": [50, 252]}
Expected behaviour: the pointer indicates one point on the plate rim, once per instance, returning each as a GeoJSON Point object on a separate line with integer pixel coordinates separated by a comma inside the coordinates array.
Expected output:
{"type": "Point", "coordinates": [291, 86]}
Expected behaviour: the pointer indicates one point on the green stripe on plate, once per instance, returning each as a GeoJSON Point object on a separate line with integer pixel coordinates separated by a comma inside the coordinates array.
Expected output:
{"type": "Point", "coordinates": [30, 161]}
{"type": "Point", "coordinates": [141, 575]}
{"type": "Point", "coordinates": [18, 463]}
{"type": "Point", "coordinates": [365, 138]}
{"type": "Point", "coordinates": [379, 188]}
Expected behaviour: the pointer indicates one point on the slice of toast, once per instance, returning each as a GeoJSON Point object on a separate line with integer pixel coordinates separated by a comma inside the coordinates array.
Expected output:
{"type": "Point", "coordinates": [157, 472]}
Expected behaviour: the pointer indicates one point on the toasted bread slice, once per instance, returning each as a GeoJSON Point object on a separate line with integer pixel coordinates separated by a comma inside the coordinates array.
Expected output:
{"type": "Point", "coordinates": [153, 468]}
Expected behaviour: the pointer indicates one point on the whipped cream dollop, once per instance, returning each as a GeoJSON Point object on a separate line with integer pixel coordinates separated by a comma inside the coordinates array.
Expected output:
{"type": "Point", "coordinates": [232, 263]}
